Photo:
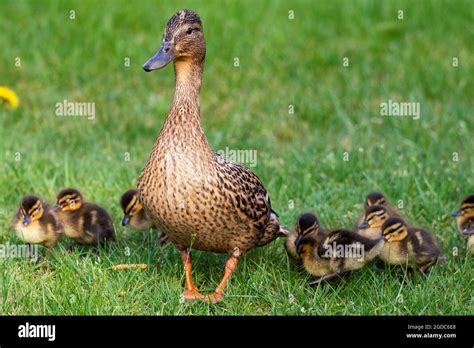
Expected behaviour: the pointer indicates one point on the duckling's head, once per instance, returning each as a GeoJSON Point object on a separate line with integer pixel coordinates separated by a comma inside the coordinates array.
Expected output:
{"type": "Point", "coordinates": [306, 225]}
{"type": "Point", "coordinates": [374, 216]}
{"type": "Point", "coordinates": [306, 230]}
{"type": "Point", "coordinates": [394, 229]}
{"type": "Point", "coordinates": [31, 209]}
{"type": "Point", "coordinates": [183, 39]}
{"type": "Point", "coordinates": [464, 214]}
{"type": "Point", "coordinates": [375, 198]}
{"type": "Point", "coordinates": [69, 200]}
{"type": "Point", "coordinates": [131, 206]}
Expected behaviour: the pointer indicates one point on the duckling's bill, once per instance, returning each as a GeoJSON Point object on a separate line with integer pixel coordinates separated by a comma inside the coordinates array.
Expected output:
{"type": "Point", "coordinates": [125, 220]}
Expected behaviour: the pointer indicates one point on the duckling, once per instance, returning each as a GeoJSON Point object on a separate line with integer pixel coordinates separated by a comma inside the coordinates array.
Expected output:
{"type": "Point", "coordinates": [338, 251]}
{"type": "Point", "coordinates": [306, 224]}
{"type": "Point", "coordinates": [134, 215]}
{"type": "Point", "coordinates": [374, 217]}
{"type": "Point", "coordinates": [200, 200]}
{"type": "Point", "coordinates": [34, 223]}
{"type": "Point", "coordinates": [86, 223]}
{"type": "Point", "coordinates": [465, 220]}
{"type": "Point", "coordinates": [377, 198]}
{"type": "Point", "coordinates": [405, 245]}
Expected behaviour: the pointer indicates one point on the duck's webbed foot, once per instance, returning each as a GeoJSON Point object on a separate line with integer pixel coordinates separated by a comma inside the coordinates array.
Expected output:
{"type": "Point", "coordinates": [191, 293]}
{"type": "Point", "coordinates": [230, 266]}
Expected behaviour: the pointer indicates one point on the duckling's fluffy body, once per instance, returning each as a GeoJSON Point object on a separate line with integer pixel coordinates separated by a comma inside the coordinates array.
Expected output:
{"type": "Point", "coordinates": [465, 220]}
{"type": "Point", "coordinates": [290, 247]}
{"type": "Point", "coordinates": [328, 253]}
{"type": "Point", "coordinates": [44, 230]}
{"type": "Point", "coordinates": [88, 225]}
{"type": "Point", "coordinates": [318, 262]}
{"type": "Point", "coordinates": [407, 245]}
{"type": "Point", "coordinates": [84, 222]}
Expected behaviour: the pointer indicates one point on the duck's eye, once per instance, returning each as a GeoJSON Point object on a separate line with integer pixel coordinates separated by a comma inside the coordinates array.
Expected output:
{"type": "Point", "coordinates": [189, 31]}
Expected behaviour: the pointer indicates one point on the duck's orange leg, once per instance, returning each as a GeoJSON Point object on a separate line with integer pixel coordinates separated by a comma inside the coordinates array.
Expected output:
{"type": "Point", "coordinates": [190, 293]}
{"type": "Point", "coordinates": [230, 266]}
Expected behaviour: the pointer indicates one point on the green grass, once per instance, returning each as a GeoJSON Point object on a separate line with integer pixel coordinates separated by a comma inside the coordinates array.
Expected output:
{"type": "Point", "coordinates": [300, 156]}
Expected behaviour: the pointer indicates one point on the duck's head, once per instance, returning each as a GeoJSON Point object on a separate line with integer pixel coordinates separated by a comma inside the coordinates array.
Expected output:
{"type": "Point", "coordinates": [131, 206]}
{"type": "Point", "coordinates": [68, 199]}
{"type": "Point", "coordinates": [394, 229]}
{"type": "Point", "coordinates": [465, 213]}
{"type": "Point", "coordinates": [306, 227]}
{"type": "Point", "coordinates": [183, 39]}
{"type": "Point", "coordinates": [374, 217]}
{"type": "Point", "coordinates": [31, 209]}
{"type": "Point", "coordinates": [375, 198]}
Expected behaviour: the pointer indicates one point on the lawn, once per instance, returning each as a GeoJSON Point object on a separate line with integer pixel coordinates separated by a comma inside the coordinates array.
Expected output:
{"type": "Point", "coordinates": [314, 122]}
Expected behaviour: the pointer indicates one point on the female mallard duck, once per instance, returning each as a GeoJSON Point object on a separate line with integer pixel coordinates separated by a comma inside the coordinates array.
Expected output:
{"type": "Point", "coordinates": [134, 215]}
{"type": "Point", "coordinates": [34, 223]}
{"type": "Point", "coordinates": [465, 220]}
{"type": "Point", "coordinates": [86, 223]}
{"type": "Point", "coordinates": [406, 245]}
{"type": "Point", "coordinates": [199, 199]}
{"type": "Point", "coordinates": [335, 252]}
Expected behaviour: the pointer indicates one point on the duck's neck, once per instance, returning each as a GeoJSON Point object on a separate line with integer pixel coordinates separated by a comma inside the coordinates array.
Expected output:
{"type": "Point", "coordinates": [182, 131]}
{"type": "Point", "coordinates": [188, 86]}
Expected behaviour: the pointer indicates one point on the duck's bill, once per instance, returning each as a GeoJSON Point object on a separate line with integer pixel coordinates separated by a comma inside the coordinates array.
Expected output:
{"type": "Point", "coordinates": [125, 220]}
{"type": "Point", "coordinates": [468, 232]}
{"type": "Point", "coordinates": [297, 240]}
{"type": "Point", "coordinates": [160, 59]}
{"type": "Point", "coordinates": [363, 225]}
{"type": "Point", "coordinates": [26, 220]}
{"type": "Point", "coordinates": [56, 207]}
{"type": "Point", "coordinates": [456, 213]}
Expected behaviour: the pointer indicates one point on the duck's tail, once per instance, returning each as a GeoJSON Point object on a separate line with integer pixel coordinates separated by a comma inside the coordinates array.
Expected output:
{"type": "Point", "coordinates": [272, 231]}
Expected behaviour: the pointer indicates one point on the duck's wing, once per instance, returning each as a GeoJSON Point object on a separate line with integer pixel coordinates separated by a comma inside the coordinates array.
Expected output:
{"type": "Point", "coordinates": [246, 191]}
{"type": "Point", "coordinates": [424, 243]}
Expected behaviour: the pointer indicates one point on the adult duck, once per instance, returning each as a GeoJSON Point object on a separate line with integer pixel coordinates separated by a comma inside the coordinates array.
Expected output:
{"type": "Point", "coordinates": [199, 199]}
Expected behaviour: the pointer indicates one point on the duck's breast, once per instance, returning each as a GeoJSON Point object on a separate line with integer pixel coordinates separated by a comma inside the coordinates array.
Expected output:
{"type": "Point", "coordinates": [33, 233]}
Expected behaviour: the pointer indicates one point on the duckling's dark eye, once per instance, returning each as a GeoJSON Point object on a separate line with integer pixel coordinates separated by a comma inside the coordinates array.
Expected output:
{"type": "Point", "coordinates": [189, 31]}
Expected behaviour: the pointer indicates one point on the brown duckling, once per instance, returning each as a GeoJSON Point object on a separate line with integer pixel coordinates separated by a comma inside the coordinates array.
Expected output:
{"type": "Point", "coordinates": [336, 252]}
{"type": "Point", "coordinates": [405, 245]}
{"type": "Point", "coordinates": [201, 200]}
{"type": "Point", "coordinates": [374, 217]}
{"type": "Point", "coordinates": [306, 224]}
{"type": "Point", "coordinates": [465, 220]}
{"type": "Point", "coordinates": [377, 198]}
{"type": "Point", "coordinates": [86, 223]}
{"type": "Point", "coordinates": [134, 215]}
{"type": "Point", "coordinates": [34, 223]}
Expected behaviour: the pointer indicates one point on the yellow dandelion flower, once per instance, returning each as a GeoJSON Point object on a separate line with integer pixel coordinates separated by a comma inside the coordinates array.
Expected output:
{"type": "Point", "coordinates": [9, 97]}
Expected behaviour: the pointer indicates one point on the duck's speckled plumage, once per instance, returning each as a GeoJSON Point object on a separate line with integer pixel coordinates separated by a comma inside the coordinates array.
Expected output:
{"type": "Point", "coordinates": [198, 198]}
